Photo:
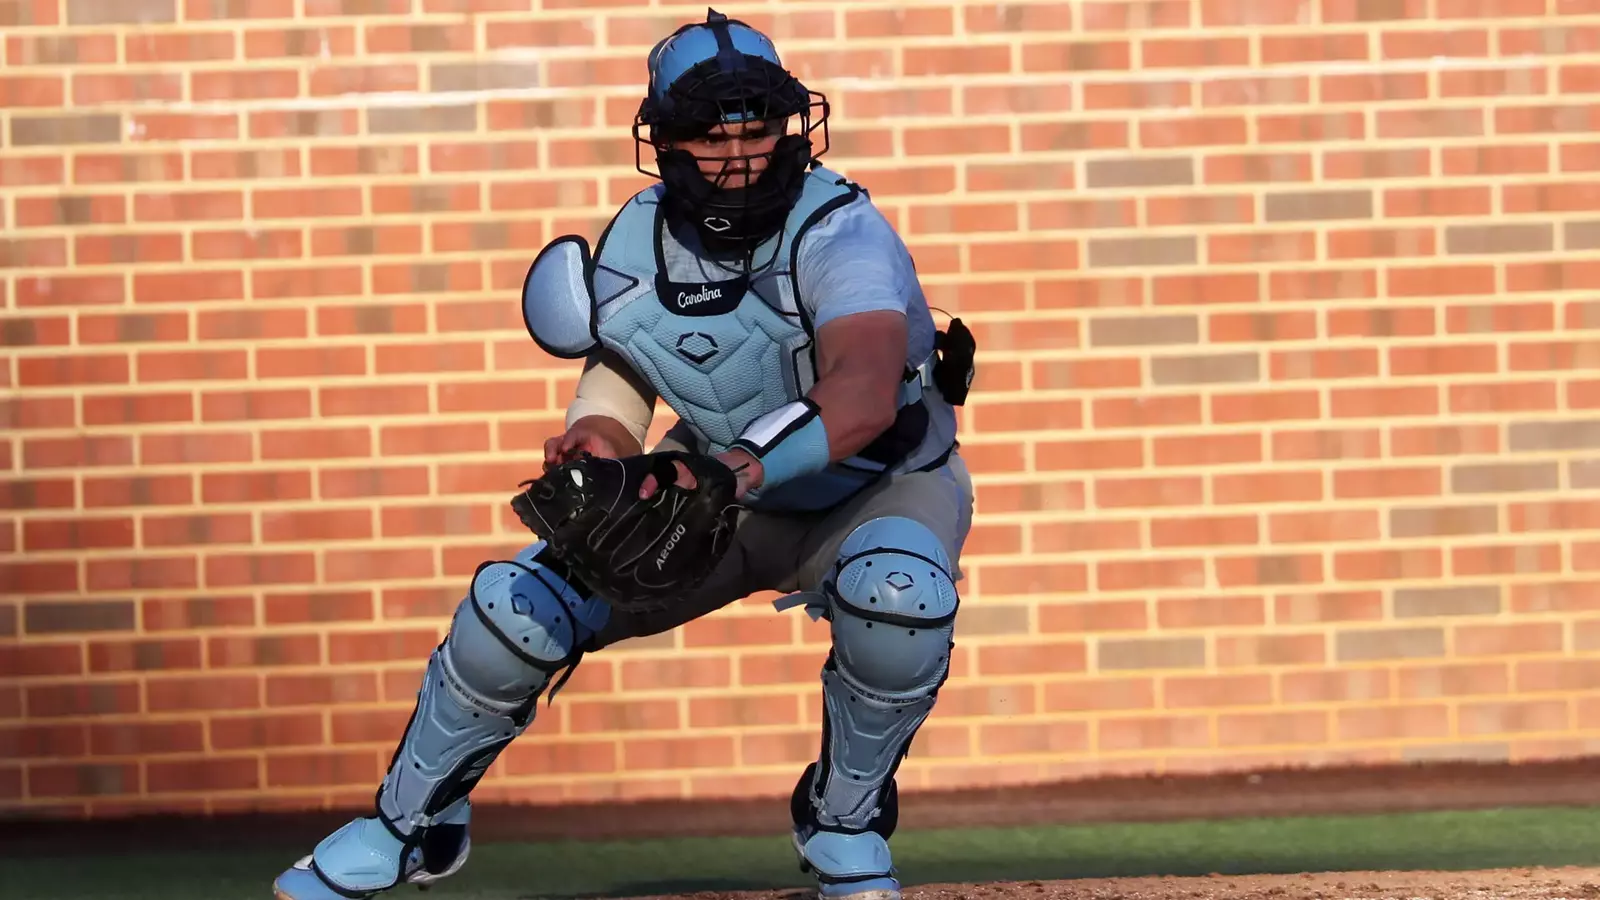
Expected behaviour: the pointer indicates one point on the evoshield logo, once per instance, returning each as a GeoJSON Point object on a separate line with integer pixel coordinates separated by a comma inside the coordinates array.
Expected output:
{"type": "Point", "coordinates": [706, 293]}
{"type": "Point", "coordinates": [697, 347]}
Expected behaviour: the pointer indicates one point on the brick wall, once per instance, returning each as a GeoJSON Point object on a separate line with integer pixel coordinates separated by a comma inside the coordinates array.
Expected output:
{"type": "Point", "coordinates": [1286, 436]}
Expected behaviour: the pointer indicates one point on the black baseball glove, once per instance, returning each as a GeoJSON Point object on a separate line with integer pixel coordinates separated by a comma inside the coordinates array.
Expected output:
{"type": "Point", "coordinates": [635, 554]}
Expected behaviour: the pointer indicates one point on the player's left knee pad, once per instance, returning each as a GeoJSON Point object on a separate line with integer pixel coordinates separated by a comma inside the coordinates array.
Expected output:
{"type": "Point", "coordinates": [892, 606]}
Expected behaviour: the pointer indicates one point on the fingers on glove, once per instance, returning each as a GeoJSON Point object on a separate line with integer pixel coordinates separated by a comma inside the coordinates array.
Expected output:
{"type": "Point", "coordinates": [548, 503]}
{"type": "Point", "coordinates": [712, 474]}
{"type": "Point", "coordinates": [666, 469]}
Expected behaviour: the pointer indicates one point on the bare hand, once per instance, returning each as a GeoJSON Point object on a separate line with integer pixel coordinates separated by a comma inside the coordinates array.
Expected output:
{"type": "Point", "coordinates": [577, 440]}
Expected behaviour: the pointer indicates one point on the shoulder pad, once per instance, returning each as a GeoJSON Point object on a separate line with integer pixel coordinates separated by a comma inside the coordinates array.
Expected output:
{"type": "Point", "coordinates": [558, 298]}
{"type": "Point", "coordinates": [833, 179]}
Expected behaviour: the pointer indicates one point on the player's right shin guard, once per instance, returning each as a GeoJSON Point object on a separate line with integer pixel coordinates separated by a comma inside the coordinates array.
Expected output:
{"type": "Point", "coordinates": [520, 624]}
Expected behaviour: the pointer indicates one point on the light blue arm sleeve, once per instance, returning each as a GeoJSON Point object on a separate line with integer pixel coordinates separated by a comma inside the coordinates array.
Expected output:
{"type": "Point", "coordinates": [852, 262]}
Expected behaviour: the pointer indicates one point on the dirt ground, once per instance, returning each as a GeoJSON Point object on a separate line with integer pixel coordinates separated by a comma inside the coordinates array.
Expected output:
{"type": "Point", "coordinates": [1505, 884]}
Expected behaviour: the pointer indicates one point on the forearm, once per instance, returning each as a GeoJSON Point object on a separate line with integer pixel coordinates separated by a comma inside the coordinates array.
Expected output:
{"type": "Point", "coordinates": [841, 414]}
{"type": "Point", "coordinates": [612, 431]}
{"type": "Point", "coordinates": [852, 402]}
{"type": "Point", "coordinates": [612, 399]}
{"type": "Point", "coordinates": [856, 408]}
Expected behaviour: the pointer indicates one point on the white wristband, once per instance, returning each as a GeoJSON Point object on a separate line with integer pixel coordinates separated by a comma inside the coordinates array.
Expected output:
{"type": "Point", "coordinates": [790, 441]}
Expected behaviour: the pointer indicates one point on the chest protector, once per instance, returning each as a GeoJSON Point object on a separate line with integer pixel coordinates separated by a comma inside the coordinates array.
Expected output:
{"type": "Point", "coordinates": [720, 348]}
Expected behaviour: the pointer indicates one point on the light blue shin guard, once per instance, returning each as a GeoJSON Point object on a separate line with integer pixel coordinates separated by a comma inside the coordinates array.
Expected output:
{"type": "Point", "coordinates": [519, 625]}
{"type": "Point", "coordinates": [892, 606]}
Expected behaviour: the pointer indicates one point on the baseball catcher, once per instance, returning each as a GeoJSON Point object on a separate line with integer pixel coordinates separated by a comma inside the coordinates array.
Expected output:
{"type": "Point", "coordinates": [771, 306]}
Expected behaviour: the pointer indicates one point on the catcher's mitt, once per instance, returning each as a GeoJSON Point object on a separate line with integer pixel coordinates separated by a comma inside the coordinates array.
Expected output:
{"type": "Point", "coordinates": [635, 554]}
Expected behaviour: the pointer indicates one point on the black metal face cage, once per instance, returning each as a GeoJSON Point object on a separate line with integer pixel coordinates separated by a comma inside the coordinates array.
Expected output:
{"type": "Point", "coordinates": [705, 97]}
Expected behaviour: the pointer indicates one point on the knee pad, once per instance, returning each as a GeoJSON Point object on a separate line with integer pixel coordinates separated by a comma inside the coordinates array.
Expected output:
{"type": "Point", "coordinates": [519, 625]}
{"type": "Point", "coordinates": [892, 608]}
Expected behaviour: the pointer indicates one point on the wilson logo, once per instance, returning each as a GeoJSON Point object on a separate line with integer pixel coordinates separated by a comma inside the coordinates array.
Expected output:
{"type": "Point", "coordinates": [666, 551]}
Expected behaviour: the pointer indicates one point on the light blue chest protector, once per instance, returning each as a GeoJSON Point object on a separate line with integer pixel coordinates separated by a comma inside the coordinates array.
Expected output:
{"type": "Point", "coordinates": [722, 347]}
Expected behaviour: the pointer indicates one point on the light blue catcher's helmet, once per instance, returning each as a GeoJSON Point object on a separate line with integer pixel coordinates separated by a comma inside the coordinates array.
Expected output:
{"type": "Point", "coordinates": [723, 74]}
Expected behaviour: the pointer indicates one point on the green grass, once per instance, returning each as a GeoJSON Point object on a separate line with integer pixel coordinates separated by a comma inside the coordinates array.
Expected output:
{"type": "Point", "coordinates": [1445, 840]}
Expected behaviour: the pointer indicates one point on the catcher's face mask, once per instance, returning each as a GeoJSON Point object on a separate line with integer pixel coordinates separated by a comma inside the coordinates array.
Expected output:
{"type": "Point", "coordinates": [730, 129]}
{"type": "Point", "coordinates": [733, 155]}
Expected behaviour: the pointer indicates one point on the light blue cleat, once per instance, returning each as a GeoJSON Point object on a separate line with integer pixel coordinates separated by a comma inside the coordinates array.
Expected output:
{"type": "Point", "coordinates": [364, 858]}
{"type": "Point", "coordinates": [848, 866]}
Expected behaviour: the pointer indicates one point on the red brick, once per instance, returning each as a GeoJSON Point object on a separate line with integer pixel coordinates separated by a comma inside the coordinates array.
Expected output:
{"type": "Point", "coordinates": [694, 672]}
{"type": "Point", "coordinates": [83, 780]}
{"type": "Point", "coordinates": [173, 654]}
{"type": "Point", "coordinates": [1334, 686]}
{"type": "Point", "coordinates": [1452, 680]}
{"type": "Point", "coordinates": [1002, 579]}
{"type": "Point", "coordinates": [1443, 440]}
{"type": "Point", "coordinates": [1323, 527]}
{"type": "Point", "coordinates": [203, 775]}
{"type": "Point", "coordinates": [269, 730]}
{"type": "Point", "coordinates": [1210, 612]}
{"type": "Point", "coordinates": [1089, 454]}
{"type": "Point", "coordinates": [1385, 401]}
{"type": "Point", "coordinates": [214, 692]}
{"type": "Point", "coordinates": [201, 612]}
{"type": "Point", "coordinates": [1273, 487]}
{"type": "Point", "coordinates": [1388, 565]}
{"type": "Point", "coordinates": [364, 726]}
{"type": "Point", "coordinates": [323, 768]}
{"type": "Point", "coordinates": [1270, 650]}
{"type": "Point", "coordinates": [1033, 659]}
{"type": "Point", "coordinates": [1150, 733]}
{"type": "Point", "coordinates": [1101, 693]}
{"type": "Point", "coordinates": [1392, 722]}
{"type": "Point", "coordinates": [322, 688]}
{"type": "Point", "coordinates": [680, 753]}
{"type": "Point", "coordinates": [161, 736]}
{"type": "Point", "coordinates": [1396, 481]}
{"type": "Point", "coordinates": [1204, 531]}
{"type": "Point", "coordinates": [1510, 717]}
{"type": "Point", "coordinates": [1001, 739]}
{"type": "Point", "coordinates": [1508, 640]}
{"type": "Point", "coordinates": [37, 659]}
{"type": "Point", "coordinates": [1123, 575]}
{"type": "Point", "coordinates": [263, 650]}
{"type": "Point", "coordinates": [1148, 492]}
{"type": "Point", "coordinates": [1505, 559]}
{"type": "Point", "coordinates": [1044, 415]}
{"type": "Point", "coordinates": [1093, 615]}
{"type": "Point", "coordinates": [1328, 607]}
{"type": "Point", "coordinates": [1272, 728]}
